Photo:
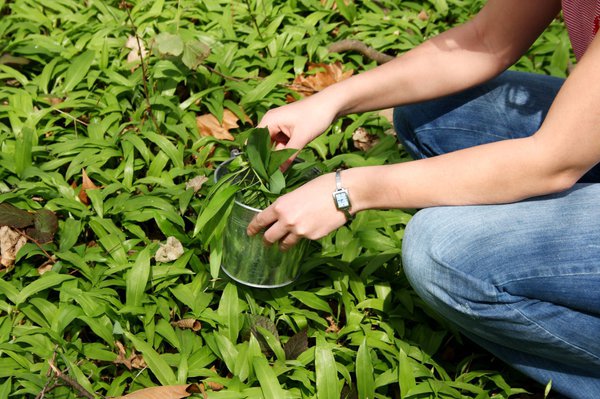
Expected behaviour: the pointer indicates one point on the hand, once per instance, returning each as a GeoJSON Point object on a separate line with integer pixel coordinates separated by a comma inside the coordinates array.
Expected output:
{"type": "Point", "coordinates": [307, 212]}
{"type": "Point", "coordinates": [295, 125]}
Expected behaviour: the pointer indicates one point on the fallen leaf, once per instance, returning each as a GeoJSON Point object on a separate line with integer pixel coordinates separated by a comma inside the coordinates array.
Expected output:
{"type": "Point", "coordinates": [169, 251]}
{"type": "Point", "coordinates": [209, 125]}
{"type": "Point", "coordinates": [14, 217]}
{"type": "Point", "coordinates": [296, 345]}
{"type": "Point", "coordinates": [196, 183]}
{"type": "Point", "coordinates": [423, 16]}
{"type": "Point", "coordinates": [363, 140]}
{"type": "Point", "coordinates": [333, 327]}
{"type": "Point", "coordinates": [133, 361]}
{"type": "Point", "coordinates": [213, 385]}
{"type": "Point", "coordinates": [10, 244]}
{"type": "Point", "coordinates": [86, 184]}
{"type": "Point", "coordinates": [134, 54]}
{"type": "Point", "coordinates": [45, 268]}
{"type": "Point", "coordinates": [45, 226]}
{"type": "Point", "coordinates": [164, 392]}
{"type": "Point", "coordinates": [324, 75]}
{"type": "Point", "coordinates": [191, 324]}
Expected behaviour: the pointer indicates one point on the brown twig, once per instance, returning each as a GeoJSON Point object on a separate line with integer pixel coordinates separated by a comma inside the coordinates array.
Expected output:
{"type": "Point", "coordinates": [357, 45]}
{"type": "Point", "coordinates": [213, 70]}
{"type": "Point", "coordinates": [51, 258]}
{"type": "Point", "coordinates": [81, 391]}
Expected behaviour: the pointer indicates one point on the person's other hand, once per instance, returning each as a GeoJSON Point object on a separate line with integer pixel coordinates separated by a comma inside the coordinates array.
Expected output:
{"type": "Point", "coordinates": [307, 212]}
{"type": "Point", "coordinates": [295, 125]}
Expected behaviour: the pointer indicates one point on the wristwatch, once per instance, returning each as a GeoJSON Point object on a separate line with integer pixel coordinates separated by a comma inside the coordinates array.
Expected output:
{"type": "Point", "coordinates": [341, 196]}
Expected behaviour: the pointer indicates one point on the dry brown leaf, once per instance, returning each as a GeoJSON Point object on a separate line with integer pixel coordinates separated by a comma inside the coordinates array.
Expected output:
{"type": "Point", "coordinates": [196, 183]}
{"type": "Point", "coordinates": [133, 361]}
{"type": "Point", "coordinates": [134, 54]}
{"type": "Point", "coordinates": [325, 75]}
{"type": "Point", "coordinates": [363, 140]}
{"type": "Point", "coordinates": [209, 125]}
{"type": "Point", "coordinates": [164, 392]}
{"type": "Point", "coordinates": [170, 251]}
{"type": "Point", "coordinates": [10, 243]}
{"type": "Point", "coordinates": [214, 386]}
{"type": "Point", "coordinates": [191, 324]}
{"type": "Point", "coordinates": [45, 268]}
{"type": "Point", "coordinates": [333, 327]}
{"type": "Point", "coordinates": [423, 16]}
{"type": "Point", "coordinates": [86, 184]}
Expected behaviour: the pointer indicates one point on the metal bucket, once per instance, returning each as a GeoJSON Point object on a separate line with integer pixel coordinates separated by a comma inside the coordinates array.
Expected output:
{"type": "Point", "coordinates": [248, 260]}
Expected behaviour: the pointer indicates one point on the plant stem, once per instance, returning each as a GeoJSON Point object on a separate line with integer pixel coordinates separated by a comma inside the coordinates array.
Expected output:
{"type": "Point", "coordinates": [143, 65]}
{"type": "Point", "coordinates": [255, 22]}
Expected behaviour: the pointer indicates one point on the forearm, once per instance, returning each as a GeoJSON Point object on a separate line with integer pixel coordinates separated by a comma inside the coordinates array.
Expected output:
{"type": "Point", "coordinates": [494, 173]}
{"type": "Point", "coordinates": [446, 64]}
{"type": "Point", "coordinates": [452, 61]}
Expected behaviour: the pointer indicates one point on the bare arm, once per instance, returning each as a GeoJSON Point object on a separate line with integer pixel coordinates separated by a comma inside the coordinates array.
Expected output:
{"type": "Point", "coordinates": [552, 160]}
{"type": "Point", "coordinates": [457, 59]}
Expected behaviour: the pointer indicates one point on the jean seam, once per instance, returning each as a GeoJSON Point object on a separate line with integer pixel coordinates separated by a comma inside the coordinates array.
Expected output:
{"type": "Point", "coordinates": [497, 290]}
{"type": "Point", "coordinates": [553, 335]}
{"type": "Point", "coordinates": [505, 282]}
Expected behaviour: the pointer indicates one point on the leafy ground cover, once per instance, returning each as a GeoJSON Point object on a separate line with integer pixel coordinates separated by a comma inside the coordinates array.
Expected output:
{"type": "Point", "coordinates": [113, 116]}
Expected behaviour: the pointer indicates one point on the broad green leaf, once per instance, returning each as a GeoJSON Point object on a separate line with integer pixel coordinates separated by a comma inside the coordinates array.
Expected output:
{"type": "Point", "coordinates": [277, 182]}
{"type": "Point", "coordinates": [168, 43]}
{"type": "Point", "coordinates": [272, 342]}
{"type": "Point", "coordinates": [229, 312]}
{"type": "Point", "coordinates": [78, 70]}
{"type": "Point", "coordinates": [325, 371]}
{"type": "Point", "coordinates": [228, 351]}
{"type": "Point", "coordinates": [6, 389]}
{"type": "Point", "coordinates": [69, 234]}
{"type": "Point", "coordinates": [48, 280]}
{"type": "Point", "coordinates": [156, 363]}
{"type": "Point", "coordinates": [194, 53]}
{"type": "Point", "coordinates": [265, 87]}
{"type": "Point", "coordinates": [258, 151]}
{"type": "Point", "coordinates": [9, 291]}
{"type": "Point", "coordinates": [23, 147]}
{"type": "Point", "coordinates": [137, 279]}
{"type": "Point", "coordinates": [277, 158]}
{"type": "Point", "coordinates": [365, 379]}
{"type": "Point", "coordinates": [406, 378]}
{"type": "Point", "coordinates": [219, 203]}
{"type": "Point", "coordinates": [311, 300]}
{"type": "Point", "coordinates": [267, 378]}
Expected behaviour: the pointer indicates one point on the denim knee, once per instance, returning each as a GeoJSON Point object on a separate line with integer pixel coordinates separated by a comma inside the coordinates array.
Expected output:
{"type": "Point", "coordinates": [439, 256]}
{"type": "Point", "coordinates": [418, 248]}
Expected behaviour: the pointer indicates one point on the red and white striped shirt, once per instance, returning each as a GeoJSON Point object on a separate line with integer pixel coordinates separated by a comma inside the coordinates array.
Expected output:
{"type": "Point", "coordinates": [582, 18]}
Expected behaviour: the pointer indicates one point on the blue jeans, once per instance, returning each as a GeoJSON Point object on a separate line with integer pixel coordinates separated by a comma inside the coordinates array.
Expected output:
{"type": "Point", "coordinates": [521, 279]}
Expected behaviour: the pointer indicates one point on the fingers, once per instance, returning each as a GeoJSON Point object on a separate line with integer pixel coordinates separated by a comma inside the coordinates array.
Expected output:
{"type": "Point", "coordinates": [261, 221]}
{"type": "Point", "coordinates": [276, 231]}
{"type": "Point", "coordinates": [288, 241]}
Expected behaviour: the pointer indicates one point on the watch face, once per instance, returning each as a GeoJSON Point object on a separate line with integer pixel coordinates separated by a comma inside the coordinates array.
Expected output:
{"type": "Point", "coordinates": [342, 200]}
